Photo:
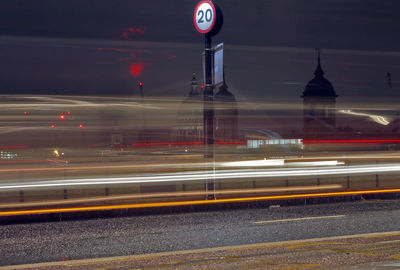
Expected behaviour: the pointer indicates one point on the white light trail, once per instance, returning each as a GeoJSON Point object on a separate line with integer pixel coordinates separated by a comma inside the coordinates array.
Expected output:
{"type": "Point", "coordinates": [219, 175]}
{"type": "Point", "coordinates": [316, 163]}
{"type": "Point", "coordinates": [172, 194]}
{"type": "Point", "coordinates": [297, 219]}
{"type": "Point", "coordinates": [279, 162]}
{"type": "Point", "coordinates": [376, 118]}
{"type": "Point", "coordinates": [255, 163]}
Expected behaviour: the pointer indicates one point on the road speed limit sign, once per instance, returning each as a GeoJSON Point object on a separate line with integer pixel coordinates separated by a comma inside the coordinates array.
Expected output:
{"type": "Point", "coordinates": [204, 16]}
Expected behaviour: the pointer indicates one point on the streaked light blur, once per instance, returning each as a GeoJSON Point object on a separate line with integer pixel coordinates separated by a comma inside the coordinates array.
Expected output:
{"type": "Point", "coordinates": [105, 152]}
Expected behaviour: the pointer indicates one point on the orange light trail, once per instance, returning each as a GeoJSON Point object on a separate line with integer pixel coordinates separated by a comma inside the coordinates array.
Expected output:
{"type": "Point", "coordinates": [196, 202]}
{"type": "Point", "coordinates": [169, 194]}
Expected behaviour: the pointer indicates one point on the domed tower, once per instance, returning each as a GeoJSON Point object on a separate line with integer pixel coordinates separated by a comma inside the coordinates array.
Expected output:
{"type": "Point", "coordinates": [226, 115]}
{"type": "Point", "coordinates": [319, 99]}
{"type": "Point", "coordinates": [189, 126]}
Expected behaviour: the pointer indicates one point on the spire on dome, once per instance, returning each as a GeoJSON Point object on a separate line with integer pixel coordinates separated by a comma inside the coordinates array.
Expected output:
{"type": "Point", "coordinates": [319, 86]}
{"type": "Point", "coordinates": [318, 71]}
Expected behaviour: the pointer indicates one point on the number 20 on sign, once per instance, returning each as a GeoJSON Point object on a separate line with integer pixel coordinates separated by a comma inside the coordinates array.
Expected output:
{"type": "Point", "coordinates": [204, 16]}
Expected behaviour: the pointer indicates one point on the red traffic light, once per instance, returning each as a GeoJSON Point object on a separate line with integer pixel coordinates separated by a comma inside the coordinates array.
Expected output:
{"type": "Point", "coordinates": [140, 84]}
{"type": "Point", "coordinates": [62, 116]}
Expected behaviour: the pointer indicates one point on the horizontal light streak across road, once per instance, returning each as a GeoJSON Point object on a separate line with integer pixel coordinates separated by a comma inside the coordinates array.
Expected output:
{"type": "Point", "coordinates": [297, 219]}
{"type": "Point", "coordinates": [173, 194]}
{"type": "Point", "coordinates": [279, 162]}
{"type": "Point", "coordinates": [197, 202]}
{"type": "Point", "coordinates": [219, 175]}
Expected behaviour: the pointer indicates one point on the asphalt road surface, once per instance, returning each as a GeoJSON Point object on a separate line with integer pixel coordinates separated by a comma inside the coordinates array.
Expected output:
{"type": "Point", "coordinates": [96, 238]}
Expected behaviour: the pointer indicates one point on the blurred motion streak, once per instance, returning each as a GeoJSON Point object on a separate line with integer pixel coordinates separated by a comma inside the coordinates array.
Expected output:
{"type": "Point", "coordinates": [148, 151]}
{"type": "Point", "coordinates": [279, 162]}
{"type": "Point", "coordinates": [197, 202]}
{"type": "Point", "coordinates": [354, 141]}
{"type": "Point", "coordinates": [13, 147]}
{"type": "Point", "coordinates": [255, 163]}
{"type": "Point", "coordinates": [184, 143]}
{"type": "Point", "coordinates": [169, 194]}
{"type": "Point", "coordinates": [304, 161]}
{"type": "Point", "coordinates": [376, 118]}
{"type": "Point", "coordinates": [222, 174]}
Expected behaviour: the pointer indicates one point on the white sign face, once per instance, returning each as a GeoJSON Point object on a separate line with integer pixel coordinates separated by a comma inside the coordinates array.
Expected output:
{"type": "Point", "coordinates": [204, 16]}
{"type": "Point", "coordinates": [218, 74]}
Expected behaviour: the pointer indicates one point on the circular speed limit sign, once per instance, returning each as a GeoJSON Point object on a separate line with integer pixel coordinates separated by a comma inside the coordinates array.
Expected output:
{"type": "Point", "coordinates": [204, 16]}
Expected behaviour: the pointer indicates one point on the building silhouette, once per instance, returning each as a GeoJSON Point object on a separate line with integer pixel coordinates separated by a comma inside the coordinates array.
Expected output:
{"type": "Point", "coordinates": [319, 100]}
{"type": "Point", "coordinates": [226, 115]}
{"type": "Point", "coordinates": [189, 127]}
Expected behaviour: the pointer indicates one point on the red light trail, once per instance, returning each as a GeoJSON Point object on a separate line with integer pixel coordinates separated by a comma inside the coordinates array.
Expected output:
{"type": "Point", "coordinates": [12, 147]}
{"type": "Point", "coordinates": [352, 141]}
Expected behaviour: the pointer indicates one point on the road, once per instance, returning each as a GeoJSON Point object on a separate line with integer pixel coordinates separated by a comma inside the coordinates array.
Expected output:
{"type": "Point", "coordinates": [81, 239]}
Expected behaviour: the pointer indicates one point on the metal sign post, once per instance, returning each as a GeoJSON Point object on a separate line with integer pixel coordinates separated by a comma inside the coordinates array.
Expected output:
{"type": "Point", "coordinates": [208, 120]}
{"type": "Point", "coordinates": [208, 20]}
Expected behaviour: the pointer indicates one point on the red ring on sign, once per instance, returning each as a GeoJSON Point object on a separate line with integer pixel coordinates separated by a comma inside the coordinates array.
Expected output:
{"type": "Point", "coordinates": [214, 17]}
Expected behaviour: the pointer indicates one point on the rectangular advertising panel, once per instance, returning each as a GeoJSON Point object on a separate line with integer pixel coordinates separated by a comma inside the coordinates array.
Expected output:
{"type": "Point", "coordinates": [218, 65]}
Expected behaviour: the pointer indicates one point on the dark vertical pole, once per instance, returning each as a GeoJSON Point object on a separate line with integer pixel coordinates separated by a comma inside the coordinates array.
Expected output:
{"type": "Point", "coordinates": [208, 120]}
{"type": "Point", "coordinates": [141, 91]}
{"type": "Point", "coordinates": [143, 135]}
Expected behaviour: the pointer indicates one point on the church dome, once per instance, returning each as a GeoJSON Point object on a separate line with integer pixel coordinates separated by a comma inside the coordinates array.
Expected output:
{"type": "Point", "coordinates": [319, 86]}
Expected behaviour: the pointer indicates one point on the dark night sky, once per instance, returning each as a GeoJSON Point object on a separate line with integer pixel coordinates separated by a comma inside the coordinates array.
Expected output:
{"type": "Point", "coordinates": [87, 47]}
